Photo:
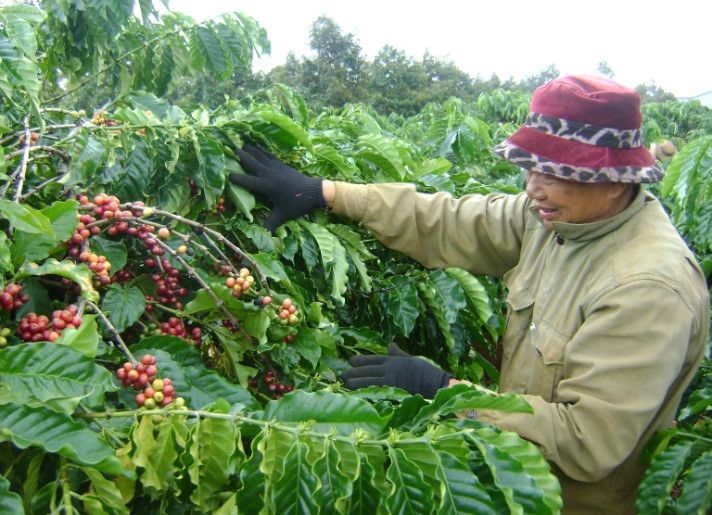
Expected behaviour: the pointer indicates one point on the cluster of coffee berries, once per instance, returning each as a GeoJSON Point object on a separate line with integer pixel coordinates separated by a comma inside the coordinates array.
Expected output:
{"type": "Point", "coordinates": [39, 328]}
{"type": "Point", "coordinates": [145, 233]}
{"type": "Point", "coordinates": [159, 393]}
{"type": "Point", "coordinates": [121, 276]}
{"type": "Point", "coordinates": [34, 138]}
{"type": "Point", "coordinates": [82, 233]}
{"type": "Point", "coordinates": [100, 118]}
{"type": "Point", "coordinates": [275, 388]}
{"type": "Point", "coordinates": [97, 264]}
{"type": "Point", "coordinates": [4, 333]}
{"type": "Point", "coordinates": [220, 206]}
{"type": "Point", "coordinates": [66, 318]}
{"type": "Point", "coordinates": [174, 327]}
{"type": "Point", "coordinates": [140, 375]}
{"type": "Point", "coordinates": [109, 207]}
{"type": "Point", "coordinates": [288, 313]}
{"type": "Point", "coordinates": [241, 283]}
{"type": "Point", "coordinates": [12, 296]}
{"type": "Point", "coordinates": [36, 328]}
{"type": "Point", "coordinates": [155, 392]}
{"type": "Point", "coordinates": [168, 287]}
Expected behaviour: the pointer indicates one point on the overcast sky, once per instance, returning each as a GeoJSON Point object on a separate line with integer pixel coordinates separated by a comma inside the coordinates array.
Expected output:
{"type": "Point", "coordinates": [642, 41]}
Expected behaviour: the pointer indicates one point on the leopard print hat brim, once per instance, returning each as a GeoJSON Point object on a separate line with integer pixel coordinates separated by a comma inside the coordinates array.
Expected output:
{"type": "Point", "coordinates": [626, 174]}
{"type": "Point", "coordinates": [580, 152]}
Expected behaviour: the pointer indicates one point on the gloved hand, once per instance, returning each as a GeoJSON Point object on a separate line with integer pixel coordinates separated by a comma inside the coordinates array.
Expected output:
{"type": "Point", "coordinates": [291, 193]}
{"type": "Point", "coordinates": [398, 369]}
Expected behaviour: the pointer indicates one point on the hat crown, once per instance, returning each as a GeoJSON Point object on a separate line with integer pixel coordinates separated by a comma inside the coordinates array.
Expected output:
{"type": "Point", "coordinates": [589, 99]}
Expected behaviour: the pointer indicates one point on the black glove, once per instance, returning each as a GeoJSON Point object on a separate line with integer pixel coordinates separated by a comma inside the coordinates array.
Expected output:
{"type": "Point", "coordinates": [398, 369]}
{"type": "Point", "coordinates": [291, 192]}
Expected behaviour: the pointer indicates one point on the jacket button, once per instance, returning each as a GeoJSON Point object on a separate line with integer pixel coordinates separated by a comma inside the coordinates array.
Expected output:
{"type": "Point", "coordinates": [559, 239]}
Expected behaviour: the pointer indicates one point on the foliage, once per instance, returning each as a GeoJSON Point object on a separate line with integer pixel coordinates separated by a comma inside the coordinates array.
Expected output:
{"type": "Point", "coordinates": [125, 215]}
{"type": "Point", "coordinates": [678, 478]}
{"type": "Point", "coordinates": [679, 121]}
{"type": "Point", "coordinates": [688, 184]}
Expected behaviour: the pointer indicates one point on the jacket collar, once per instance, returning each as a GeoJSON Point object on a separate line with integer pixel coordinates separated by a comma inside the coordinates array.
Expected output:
{"type": "Point", "coordinates": [593, 230]}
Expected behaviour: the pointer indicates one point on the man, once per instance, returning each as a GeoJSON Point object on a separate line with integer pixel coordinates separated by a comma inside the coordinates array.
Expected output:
{"type": "Point", "coordinates": [607, 309]}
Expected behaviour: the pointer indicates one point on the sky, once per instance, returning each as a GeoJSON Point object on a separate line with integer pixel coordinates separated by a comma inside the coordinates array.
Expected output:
{"type": "Point", "coordinates": [643, 41]}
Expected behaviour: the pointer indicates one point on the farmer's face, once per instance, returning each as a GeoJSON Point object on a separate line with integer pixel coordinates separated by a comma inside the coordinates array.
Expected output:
{"type": "Point", "coordinates": [558, 200]}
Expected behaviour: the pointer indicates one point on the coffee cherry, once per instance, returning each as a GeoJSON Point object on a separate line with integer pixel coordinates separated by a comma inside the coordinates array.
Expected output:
{"type": "Point", "coordinates": [164, 233]}
{"type": "Point", "coordinates": [12, 297]}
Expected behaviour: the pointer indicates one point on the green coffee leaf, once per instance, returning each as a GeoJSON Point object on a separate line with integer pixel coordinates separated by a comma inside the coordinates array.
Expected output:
{"type": "Point", "coordinates": [106, 492]}
{"type": "Point", "coordinates": [84, 339]}
{"type": "Point", "coordinates": [521, 492]}
{"type": "Point", "coordinates": [661, 476]}
{"type": "Point", "coordinates": [403, 303]}
{"type": "Point", "coordinates": [365, 496]}
{"type": "Point", "coordinates": [10, 502]}
{"type": "Point", "coordinates": [26, 218]}
{"type": "Point", "coordinates": [475, 292]}
{"type": "Point", "coordinates": [534, 464]}
{"type": "Point", "coordinates": [123, 306]}
{"type": "Point", "coordinates": [56, 376]}
{"type": "Point", "coordinates": [696, 496]}
{"type": "Point", "coordinates": [293, 492]}
{"type": "Point", "coordinates": [27, 426]}
{"type": "Point", "coordinates": [342, 412]}
{"type": "Point", "coordinates": [335, 486]}
{"type": "Point", "coordinates": [213, 443]}
{"type": "Point", "coordinates": [154, 454]}
{"type": "Point", "coordinates": [80, 274]}
{"type": "Point", "coordinates": [410, 493]}
{"type": "Point", "coordinates": [462, 492]}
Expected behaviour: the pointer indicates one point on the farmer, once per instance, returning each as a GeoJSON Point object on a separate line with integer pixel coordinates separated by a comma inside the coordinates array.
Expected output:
{"type": "Point", "coordinates": [608, 310]}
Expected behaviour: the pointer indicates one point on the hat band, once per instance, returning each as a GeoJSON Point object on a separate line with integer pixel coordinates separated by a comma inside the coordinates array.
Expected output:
{"type": "Point", "coordinates": [635, 174]}
{"type": "Point", "coordinates": [585, 133]}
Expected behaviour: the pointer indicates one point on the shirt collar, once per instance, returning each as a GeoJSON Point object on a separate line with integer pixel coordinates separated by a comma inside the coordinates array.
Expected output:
{"type": "Point", "coordinates": [589, 231]}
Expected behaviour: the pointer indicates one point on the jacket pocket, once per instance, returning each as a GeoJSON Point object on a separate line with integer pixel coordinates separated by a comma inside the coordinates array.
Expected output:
{"type": "Point", "coordinates": [548, 348]}
{"type": "Point", "coordinates": [515, 341]}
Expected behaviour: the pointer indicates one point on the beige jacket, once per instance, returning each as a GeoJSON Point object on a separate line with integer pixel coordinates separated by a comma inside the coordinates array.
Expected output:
{"type": "Point", "coordinates": [607, 321]}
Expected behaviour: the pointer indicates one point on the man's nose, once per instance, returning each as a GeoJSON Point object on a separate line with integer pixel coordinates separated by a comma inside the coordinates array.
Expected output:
{"type": "Point", "coordinates": [534, 187]}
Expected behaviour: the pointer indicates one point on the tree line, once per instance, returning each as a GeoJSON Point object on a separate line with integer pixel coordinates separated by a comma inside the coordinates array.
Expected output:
{"type": "Point", "coordinates": [338, 73]}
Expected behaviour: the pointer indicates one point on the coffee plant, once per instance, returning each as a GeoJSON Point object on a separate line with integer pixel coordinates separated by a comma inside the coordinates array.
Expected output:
{"type": "Point", "coordinates": [161, 351]}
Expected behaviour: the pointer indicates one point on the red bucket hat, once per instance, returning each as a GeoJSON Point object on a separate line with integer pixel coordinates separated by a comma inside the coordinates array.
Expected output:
{"type": "Point", "coordinates": [584, 129]}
